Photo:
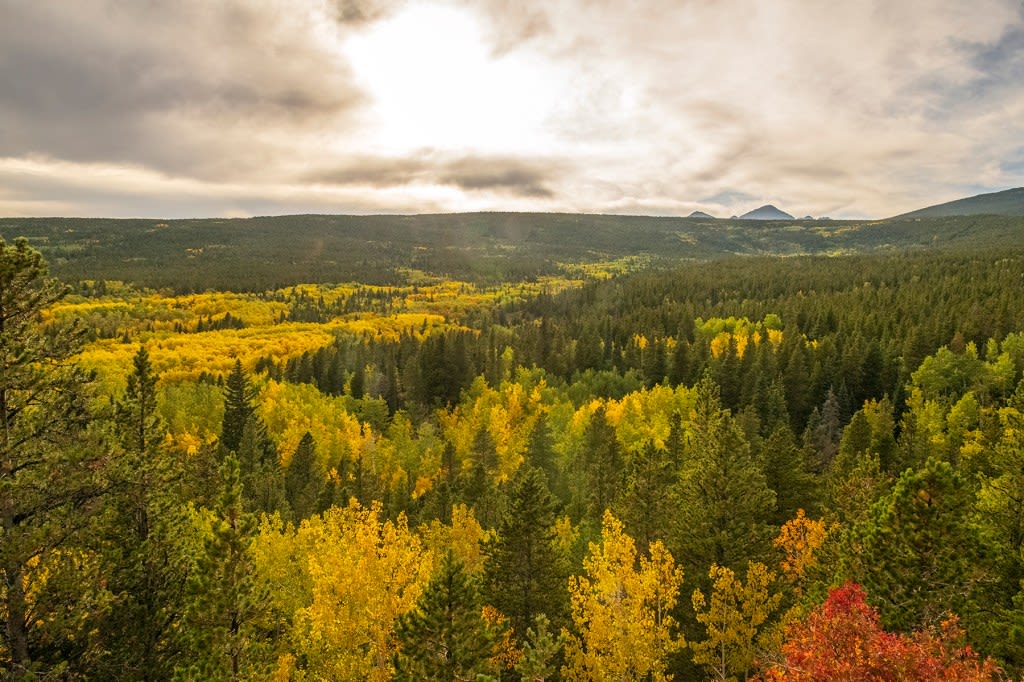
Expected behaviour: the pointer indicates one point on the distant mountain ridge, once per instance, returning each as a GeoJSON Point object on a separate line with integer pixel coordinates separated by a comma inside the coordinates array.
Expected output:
{"type": "Point", "coordinates": [766, 212]}
{"type": "Point", "coordinates": [1009, 202]}
{"type": "Point", "coordinates": [260, 254]}
{"type": "Point", "coordinates": [266, 253]}
{"type": "Point", "coordinates": [700, 214]}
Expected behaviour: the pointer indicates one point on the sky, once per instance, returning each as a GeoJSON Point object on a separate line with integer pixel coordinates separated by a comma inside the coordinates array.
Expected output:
{"type": "Point", "coordinates": [231, 108]}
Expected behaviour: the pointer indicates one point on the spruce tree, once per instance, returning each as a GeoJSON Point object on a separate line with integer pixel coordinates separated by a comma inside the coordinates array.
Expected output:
{"type": "Point", "coordinates": [445, 636]}
{"type": "Point", "coordinates": [824, 431]}
{"type": "Point", "coordinates": [646, 500]}
{"type": "Point", "coordinates": [540, 454]}
{"type": "Point", "coordinates": [525, 573]}
{"type": "Point", "coordinates": [787, 473]}
{"type": "Point", "coordinates": [304, 480]}
{"type": "Point", "coordinates": [239, 396]}
{"type": "Point", "coordinates": [262, 474]}
{"type": "Point", "coordinates": [245, 434]}
{"type": "Point", "coordinates": [477, 487]}
{"type": "Point", "coordinates": [600, 468]}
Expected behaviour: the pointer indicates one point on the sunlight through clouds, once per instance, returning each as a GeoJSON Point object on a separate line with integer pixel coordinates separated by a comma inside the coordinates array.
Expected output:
{"type": "Point", "coordinates": [861, 109]}
{"type": "Point", "coordinates": [435, 84]}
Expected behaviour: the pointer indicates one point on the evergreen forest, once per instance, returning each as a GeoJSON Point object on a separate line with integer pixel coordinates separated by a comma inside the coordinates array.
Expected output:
{"type": "Point", "coordinates": [459, 459]}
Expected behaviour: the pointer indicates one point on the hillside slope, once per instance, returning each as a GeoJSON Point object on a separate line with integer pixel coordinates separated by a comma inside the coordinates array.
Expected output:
{"type": "Point", "coordinates": [1006, 203]}
{"type": "Point", "coordinates": [256, 254]}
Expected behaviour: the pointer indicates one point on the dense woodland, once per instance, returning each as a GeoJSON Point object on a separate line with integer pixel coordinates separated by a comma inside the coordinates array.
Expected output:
{"type": "Point", "coordinates": [795, 468]}
{"type": "Point", "coordinates": [268, 253]}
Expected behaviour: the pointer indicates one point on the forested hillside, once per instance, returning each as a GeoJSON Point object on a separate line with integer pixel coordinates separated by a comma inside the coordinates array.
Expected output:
{"type": "Point", "coordinates": [494, 461]}
{"type": "Point", "coordinates": [259, 254]}
{"type": "Point", "coordinates": [1009, 202]}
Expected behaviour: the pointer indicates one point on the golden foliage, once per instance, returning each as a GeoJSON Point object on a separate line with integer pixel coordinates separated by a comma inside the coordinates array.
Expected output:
{"type": "Point", "coordinates": [733, 620]}
{"type": "Point", "coordinates": [623, 613]}
{"type": "Point", "coordinates": [799, 539]}
{"type": "Point", "coordinates": [344, 578]}
{"type": "Point", "coordinates": [465, 537]}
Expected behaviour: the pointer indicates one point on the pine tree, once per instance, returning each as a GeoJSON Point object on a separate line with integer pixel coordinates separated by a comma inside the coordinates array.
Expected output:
{"type": "Point", "coordinates": [540, 648]}
{"type": "Point", "coordinates": [540, 453]}
{"type": "Point", "coordinates": [787, 474]}
{"type": "Point", "coordinates": [445, 637]}
{"type": "Point", "coordinates": [681, 362]}
{"type": "Point", "coordinates": [226, 625]}
{"type": "Point", "coordinates": [822, 434]}
{"type": "Point", "coordinates": [477, 485]}
{"type": "Point", "coordinates": [772, 410]}
{"type": "Point", "coordinates": [917, 554]}
{"type": "Point", "coordinates": [722, 496]}
{"type": "Point", "coordinates": [646, 500]}
{"type": "Point", "coordinates": [262, 475]}
{"type": "Point", "coordinates": [525, 573]}
{"type": "Point", "coordinates": [50, 474]}
{"type": "Point", "coordinates": [142, 562]}
{"type": "Point", "coordinates": [796, 379]}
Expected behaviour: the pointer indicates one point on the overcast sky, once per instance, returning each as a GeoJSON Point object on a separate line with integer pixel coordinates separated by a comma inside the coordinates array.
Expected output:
{"type": "Point", "coordinates": [192, 108]}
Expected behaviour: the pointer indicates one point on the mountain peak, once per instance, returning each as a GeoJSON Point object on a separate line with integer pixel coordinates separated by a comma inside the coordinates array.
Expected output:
{"type": "Point", "coordinates": [766, 212]}
{"type": "Point", "coordinates": [700, 214]}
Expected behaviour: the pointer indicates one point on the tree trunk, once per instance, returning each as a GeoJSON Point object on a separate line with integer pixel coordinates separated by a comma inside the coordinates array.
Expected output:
{"type": "Point", "coordinates": [17, 635]}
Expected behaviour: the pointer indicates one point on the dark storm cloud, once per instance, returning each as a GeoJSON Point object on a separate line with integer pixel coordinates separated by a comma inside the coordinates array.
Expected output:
{"type": "Point", "coordinates": [505, 175]}
{"type": "Point", "coordinates": [185, 87]}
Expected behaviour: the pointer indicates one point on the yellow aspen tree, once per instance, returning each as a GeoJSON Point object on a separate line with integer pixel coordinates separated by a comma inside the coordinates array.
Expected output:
{"type": "Point", "coordinates": [465, 537]}
{"type": "Point", "coordinates": [621, 612]}
{"type": "Point", "coordinates": [799, 540]}
{"type": "Point", "coordinates": [733, 620]}
{"type": "Point", "coordinates": [363, 573]}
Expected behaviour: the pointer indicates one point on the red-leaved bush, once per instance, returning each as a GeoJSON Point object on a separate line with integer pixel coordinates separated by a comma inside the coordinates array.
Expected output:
{"type": "Point", "coordinates": [844, 640]}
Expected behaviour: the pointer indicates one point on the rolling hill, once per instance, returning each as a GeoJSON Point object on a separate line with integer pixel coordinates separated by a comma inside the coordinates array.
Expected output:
{"type": "Point", "coordinates": [1007, 203]}
{"type": "Point", "coordinates": [257, 254]}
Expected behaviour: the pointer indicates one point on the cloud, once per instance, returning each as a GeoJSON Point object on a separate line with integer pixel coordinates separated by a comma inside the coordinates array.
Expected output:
{"type": "Point", "coordinates": [504, 175]}
{"type": "Point", "coordinates": [791, 101]}
{"type": "Point", "coordinates": [41, 187]}
{"type": "Point", "coordinates": [190, 87]}
{"type": "Point", "coordinates": [356, 12]}
{"type": "Point", "coordinates": [859, 109]}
